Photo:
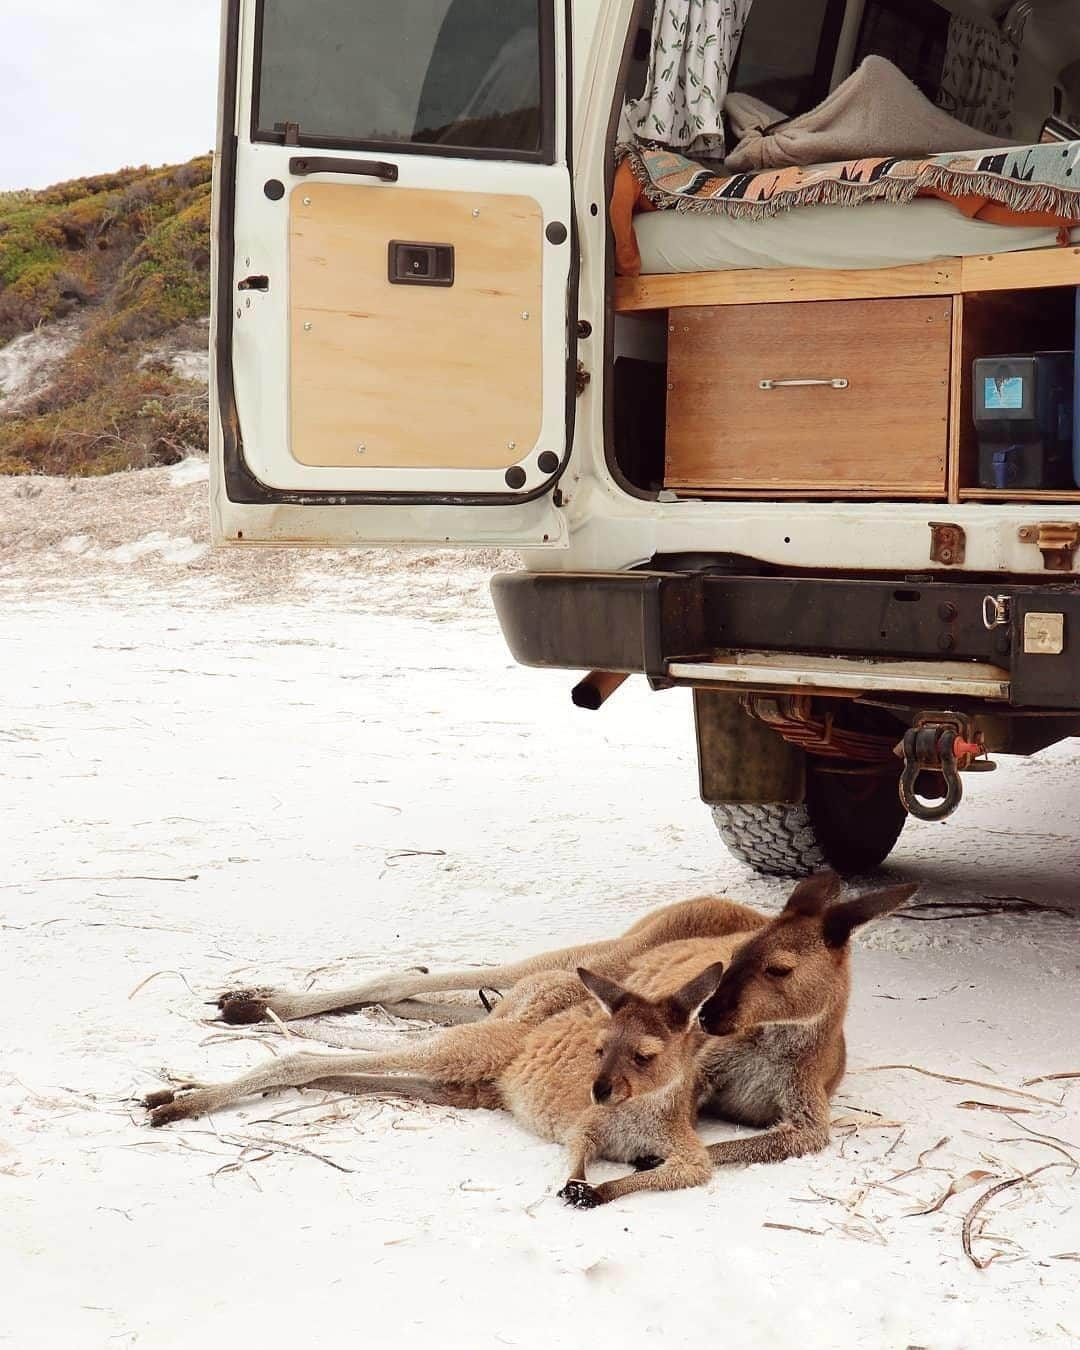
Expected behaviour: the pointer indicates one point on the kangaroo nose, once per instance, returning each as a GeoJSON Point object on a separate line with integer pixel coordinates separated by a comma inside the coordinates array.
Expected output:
{"type": "Point", "coordinates": [601, 1090]}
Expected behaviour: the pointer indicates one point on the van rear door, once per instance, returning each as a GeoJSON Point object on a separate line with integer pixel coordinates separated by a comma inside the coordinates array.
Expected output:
{"type": "Point", "coordinates": [394, 265]}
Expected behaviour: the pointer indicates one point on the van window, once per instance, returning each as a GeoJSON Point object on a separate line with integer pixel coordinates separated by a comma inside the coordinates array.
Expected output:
{"type": "Point", "coordinates": [912, 34]}
{"type": "Point", "coordinates": [461, 74]}
{"type": "Point", "coordinates": [788, 51]}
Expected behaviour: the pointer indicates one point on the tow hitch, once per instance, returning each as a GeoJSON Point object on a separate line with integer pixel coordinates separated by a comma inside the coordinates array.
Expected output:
{"type": "Point", "coordinates": [936, 751]}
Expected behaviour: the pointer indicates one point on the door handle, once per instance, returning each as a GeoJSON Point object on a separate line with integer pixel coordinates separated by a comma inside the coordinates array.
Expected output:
{"type": "Point", "coordinates": [420, 264]}
{"type": "Point", "coordinates": [767, 385]}
{"type": "Point", "coordinates": [301, 165]}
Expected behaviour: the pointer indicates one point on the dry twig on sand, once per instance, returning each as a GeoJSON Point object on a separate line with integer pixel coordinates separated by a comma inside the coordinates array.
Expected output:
{"type": "Point", "coordinates": [955, 1187]}
{"type": "Point", "coordinates": [959, 1082]}
{"type": "Point", "coordinates": [1039, 1139]}
{"type": "Point", "coordinates": [143, 983]}
{"type": "Point", "coordinates": [252, 1141]}
{"type": "Point", "coordinates": [995, 1106]}
{"type": "Point", "coordinates": [1046, 1138]}
{"type": "Point", "coordinates": [928, 910]}
{"type": "Point", "coordinates": [47, 881]}
{"type": "Point", "coordinates": [981, 1263]}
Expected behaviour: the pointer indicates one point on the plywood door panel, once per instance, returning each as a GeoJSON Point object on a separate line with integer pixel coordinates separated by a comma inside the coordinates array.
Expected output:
{"type": "Point", "coordinates": [887, 431]}
{"type": "Point", "coordinates": [414, 376]}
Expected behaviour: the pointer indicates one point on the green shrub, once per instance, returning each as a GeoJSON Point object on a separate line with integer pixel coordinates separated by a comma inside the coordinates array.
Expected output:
{"type": "Point", "coordinates": [131, 250]}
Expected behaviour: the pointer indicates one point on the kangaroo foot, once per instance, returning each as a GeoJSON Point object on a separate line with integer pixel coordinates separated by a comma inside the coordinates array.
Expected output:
{"type": "Point", "coordinates": [160, 1103]}
{"type": "Point", "coordinates": [242, 1007]}
{"type": "Point", "coordinates": [580, 1195]}
{"type": "Point", "coordinates": [166, 1106]}
{"type": "Point", "coordinates": [648, 1163]}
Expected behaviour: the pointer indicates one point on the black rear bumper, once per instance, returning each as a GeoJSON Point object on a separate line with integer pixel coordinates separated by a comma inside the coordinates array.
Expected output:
{"type": "Point", "coordinates": [639, 622]}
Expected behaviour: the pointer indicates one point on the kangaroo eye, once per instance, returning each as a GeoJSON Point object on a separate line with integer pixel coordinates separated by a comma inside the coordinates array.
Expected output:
{"type": "Point", "coordinates": [641, 1060]}
{"type": "Point", "coordinates": [779, 972]}
{"type": "Point", "coordinates": [599, 1052]}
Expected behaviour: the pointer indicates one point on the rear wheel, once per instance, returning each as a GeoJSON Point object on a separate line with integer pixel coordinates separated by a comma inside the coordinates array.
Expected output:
{"type": "Point", "coordinates": [849, 822]}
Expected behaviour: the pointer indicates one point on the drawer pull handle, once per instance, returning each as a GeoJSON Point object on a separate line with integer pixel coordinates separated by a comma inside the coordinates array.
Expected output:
{"type": "Point", "coordinates": [767, 385]}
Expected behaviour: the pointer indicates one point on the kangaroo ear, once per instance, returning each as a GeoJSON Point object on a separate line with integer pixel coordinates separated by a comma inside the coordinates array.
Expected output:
{"type": "Point", "coordinates": [608, 994]}
{"type": "Point", "coordinates": [683, 1006]}
{"type": "Point", "coordinates": [841, 919]}
{"type": "Point", "coordinates": [811, 896]}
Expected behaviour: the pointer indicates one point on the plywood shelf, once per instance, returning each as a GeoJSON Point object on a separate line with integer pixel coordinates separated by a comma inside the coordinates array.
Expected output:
{"type": "Point", "coordinates": [1032, 270]}
{"type": "Point", "coordinates": [773, 286]}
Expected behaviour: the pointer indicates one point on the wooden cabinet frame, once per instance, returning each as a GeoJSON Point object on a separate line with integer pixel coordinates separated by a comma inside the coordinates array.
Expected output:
{"type": "Point", "coordinates": [964, 279]}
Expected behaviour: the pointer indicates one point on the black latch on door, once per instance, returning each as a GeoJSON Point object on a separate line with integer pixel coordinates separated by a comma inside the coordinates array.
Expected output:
{"type": "Point", "coordinates": [415, 264]}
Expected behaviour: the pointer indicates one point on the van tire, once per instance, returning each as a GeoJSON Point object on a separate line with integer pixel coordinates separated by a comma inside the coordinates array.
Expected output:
{"type": "Point", "coordinates": [829, 829]}
{"type": "Point", "coordinates": [775, 840]}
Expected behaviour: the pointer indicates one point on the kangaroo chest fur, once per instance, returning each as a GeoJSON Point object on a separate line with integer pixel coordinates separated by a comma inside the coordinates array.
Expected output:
{"type": "Point", "coordinates": [622, 1133]}
{"type": "Point", "coordinates": [751, 1079]}
{"type": "Point", "coordinates": [548, 1089]}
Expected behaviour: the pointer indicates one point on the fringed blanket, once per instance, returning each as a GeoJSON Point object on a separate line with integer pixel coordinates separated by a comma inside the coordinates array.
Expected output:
{"type": "Point", "coordinates": [1033, 179]}
{"type": "Point", "coordinates": [1029, 185]}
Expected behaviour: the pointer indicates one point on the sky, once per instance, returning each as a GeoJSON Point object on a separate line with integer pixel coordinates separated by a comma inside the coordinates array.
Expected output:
{"type": "Point", "coordinates": [88, 86]}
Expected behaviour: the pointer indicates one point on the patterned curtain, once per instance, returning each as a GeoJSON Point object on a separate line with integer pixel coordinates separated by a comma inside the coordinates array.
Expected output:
{"type": "Point", "coordinates": [694, 43]}
{"type": "Point", "coordinates": [978, 84]}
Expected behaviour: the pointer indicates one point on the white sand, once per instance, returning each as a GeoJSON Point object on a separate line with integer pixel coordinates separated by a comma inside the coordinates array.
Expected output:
{"type": "Point", "coordinates": [331, 765]}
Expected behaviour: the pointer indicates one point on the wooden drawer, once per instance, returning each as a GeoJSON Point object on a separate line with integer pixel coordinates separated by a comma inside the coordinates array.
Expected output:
{"type": "Point", "coordinates": [886, 433]}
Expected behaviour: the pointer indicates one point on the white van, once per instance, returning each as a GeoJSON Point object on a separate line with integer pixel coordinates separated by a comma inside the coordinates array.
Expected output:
{"type": "Point", "coordinates": [751, 469]}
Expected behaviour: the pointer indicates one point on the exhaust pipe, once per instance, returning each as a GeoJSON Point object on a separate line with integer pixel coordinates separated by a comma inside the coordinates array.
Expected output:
{"type": "Point", "coordinates": [596, 688]}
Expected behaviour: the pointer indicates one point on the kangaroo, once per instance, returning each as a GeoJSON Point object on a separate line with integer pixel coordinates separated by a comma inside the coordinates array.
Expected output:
{"type": "Point", "coordinates": [773, 1055]}
{"type": "Point", "coordinates": [613, 1079]}
{"type": "Point", "coordinates": [776, 1052]}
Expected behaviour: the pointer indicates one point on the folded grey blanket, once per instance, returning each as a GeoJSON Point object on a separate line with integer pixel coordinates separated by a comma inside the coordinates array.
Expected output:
{"type": "Point", "coordinates": [876, 111]}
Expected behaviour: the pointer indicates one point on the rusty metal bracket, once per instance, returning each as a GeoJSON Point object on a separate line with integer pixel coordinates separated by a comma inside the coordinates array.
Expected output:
{"type": "Point", "coordinates": [948, 543]}
{"type": "Point", "coordinates": [1057, 541]}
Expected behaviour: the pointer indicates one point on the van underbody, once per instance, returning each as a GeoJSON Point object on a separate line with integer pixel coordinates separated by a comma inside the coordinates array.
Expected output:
{"type": "Point", "coordinates": [764, 484]}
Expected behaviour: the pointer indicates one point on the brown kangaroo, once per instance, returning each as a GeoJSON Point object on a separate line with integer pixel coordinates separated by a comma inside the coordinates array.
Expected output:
{"type": "Point", "coordinates": [614, 1079]}
{"type": "Point", "coordinates": [775, 1052]}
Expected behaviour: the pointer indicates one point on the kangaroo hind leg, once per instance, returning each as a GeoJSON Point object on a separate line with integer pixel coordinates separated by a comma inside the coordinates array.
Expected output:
{"type": "Point", "coordinates": [463, 1055]}
{"type": "Point", "coordinates": [243, 1006]}
{"type": "Point", "coordinates": [465, 1096]}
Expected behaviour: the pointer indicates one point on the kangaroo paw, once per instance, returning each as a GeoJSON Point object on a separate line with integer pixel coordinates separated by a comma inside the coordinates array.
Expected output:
{"type": "Point", "coordinates": [165, 1107]}
{"type": "Point", "coordinates": [242, 1007]}
{"type": "Point", "coordinates": [648, 1163]}
{"type": "Point", "coordinates": [580, 1195]}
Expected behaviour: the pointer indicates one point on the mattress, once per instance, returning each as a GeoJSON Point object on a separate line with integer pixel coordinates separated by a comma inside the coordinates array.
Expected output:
{"type": "Point", "coordinates": [877, 234]}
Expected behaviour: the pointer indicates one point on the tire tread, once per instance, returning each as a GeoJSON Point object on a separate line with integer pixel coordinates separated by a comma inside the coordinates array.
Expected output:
{"type": "Point", "coordinates": [775, 840]}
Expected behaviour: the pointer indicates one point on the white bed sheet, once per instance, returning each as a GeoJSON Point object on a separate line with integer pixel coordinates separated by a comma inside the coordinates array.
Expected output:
{"type": "Point", "coordinates": [877, 234]}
